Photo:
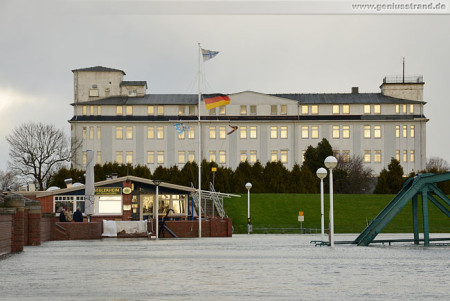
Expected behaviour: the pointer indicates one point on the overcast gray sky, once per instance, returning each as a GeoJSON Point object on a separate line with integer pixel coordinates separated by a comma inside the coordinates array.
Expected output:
{"type": "Point", "coordinates": [42, 41]}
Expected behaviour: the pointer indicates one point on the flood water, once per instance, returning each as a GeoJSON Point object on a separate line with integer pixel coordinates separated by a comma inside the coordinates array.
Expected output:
{"type": "Point", "coordinates": [244, 267]}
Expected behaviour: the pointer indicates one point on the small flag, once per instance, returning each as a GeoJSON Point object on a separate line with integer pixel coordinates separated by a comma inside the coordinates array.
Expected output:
{"type": "Point", "coordinates": [216, 100]}
{"type": "Point", "coordinates": [234, 129]}
{"type": "Point", "coordinates": [208, 54]}
{"type": "Point", "coordinates": [180, 127]}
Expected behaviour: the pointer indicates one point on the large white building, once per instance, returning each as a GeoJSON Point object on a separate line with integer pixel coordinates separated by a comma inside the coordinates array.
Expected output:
{"type": "Point", "coordinates": [120, 122]}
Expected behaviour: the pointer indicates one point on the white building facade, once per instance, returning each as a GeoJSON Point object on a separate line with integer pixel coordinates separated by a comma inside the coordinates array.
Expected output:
{"type": "Point", "coordinates": [121, 123]}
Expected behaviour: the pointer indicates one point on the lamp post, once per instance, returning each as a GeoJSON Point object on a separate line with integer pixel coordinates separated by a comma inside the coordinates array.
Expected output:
{"type": "Point", "coordinates": [156, 183]}
{"type": "Point", "coordinates": [322, 173]}
{"type": "Point", "coordinates": [330, 163]}
{"type": "Point", "coordinates": [249, 221]}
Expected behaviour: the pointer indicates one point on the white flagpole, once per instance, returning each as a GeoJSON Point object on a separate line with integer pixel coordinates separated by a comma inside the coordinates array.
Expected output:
{"type": "Point", "coordinates": [199, 147]}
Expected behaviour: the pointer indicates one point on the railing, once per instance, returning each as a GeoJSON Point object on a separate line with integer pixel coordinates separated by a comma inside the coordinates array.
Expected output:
{"type": "Point", "coordinates": [217, 201]}
{"type": "Point", "coordinates": [399, 79]}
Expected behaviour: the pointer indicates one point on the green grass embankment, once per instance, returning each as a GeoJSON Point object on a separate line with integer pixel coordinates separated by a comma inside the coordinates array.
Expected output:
{"type": "Point", "coordinates": [351, 213]}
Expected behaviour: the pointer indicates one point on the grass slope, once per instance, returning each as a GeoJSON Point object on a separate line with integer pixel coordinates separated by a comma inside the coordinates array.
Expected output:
{"type": "Point", "coordinates": [351, 212]}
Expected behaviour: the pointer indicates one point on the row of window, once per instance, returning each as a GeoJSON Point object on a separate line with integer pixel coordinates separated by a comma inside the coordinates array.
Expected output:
{"type": "Point", "coordinates": [250, 110]}
{"type": "Point", "coordinates": [251, 132]}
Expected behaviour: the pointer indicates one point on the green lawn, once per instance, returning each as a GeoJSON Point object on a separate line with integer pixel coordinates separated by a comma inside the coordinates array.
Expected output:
{"type": "Point", "coordinates": [351, 212]}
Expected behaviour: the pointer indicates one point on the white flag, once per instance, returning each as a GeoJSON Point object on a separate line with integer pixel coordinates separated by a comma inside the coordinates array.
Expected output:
{"type": "Point", "coordinates": [208, 54]}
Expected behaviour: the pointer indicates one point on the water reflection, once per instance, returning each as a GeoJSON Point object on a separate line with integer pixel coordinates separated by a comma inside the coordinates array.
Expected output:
{"type": "Point", "coordinates": [244, 267]}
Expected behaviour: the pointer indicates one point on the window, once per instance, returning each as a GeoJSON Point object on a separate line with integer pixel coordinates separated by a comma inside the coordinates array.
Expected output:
{"type": "Point", "coordinates": [160, 157]}
{"type": "Point", "coordinates": [377, 131]}
{"type": "Point", "coordinates": [191, 110]}
{"type": "Point", "coordinates": [283, 109]}
{"type": "Point", "coordinates": [119, 132]}
{"type": "Point", "coordinates": [191, 132]}
{"type": "Point", "coordinates": [314, 131]}
{"type": "Point", "coordinates": [346, 155]}
{"type": "Point", "coordinates": [212, 156]}
{"type": "Point", "coordinates": [91, 133]}
{"type": "Point", "coordinates": [132, 93]}
{"type": "Point", "coordinates": [274, 156]}
{"type": "Point", "coordinates": [336, 153]}
{"type": "Point", "coordinates": [243, 110]}
{"type": "Point", "coordinates": [151, 110]}
{"type": "Point", "coordinates": [222, 157]}
{"type": "Point", "coordinates": [91, 111]}
{"type": "Point", "coordinates": [84, 158]}
{"type": "Point", "coordinates": [160, 132]}
{"type": "Point", "coordinates": [243, 132]}
{"type": "Point", "coordinates": [377, 156]}
{"type": "Point", "coordinates": [119, 157]}
{"type": "Point", "coordinates": [405, 155]}
{"type": "Point", "coordinates": [223, 110]}
{"type": "Point", "coordinates": [404, 107]}
{"type": "Point", "coordinates": [212, 111]}
{"type": "Point", "coordinates": [411, 109]}
{"type": "Point", "coordinates": [181, 110]}
{"type": "Point", "coordinates": [366, 109]}
{"type": "Point", "coordinates": [253, 132]}
{"type": "Point", "coordinates": [283, 132]}
{"type": "Point", "coordinates": [412, 131]}
{"type": "Point", "coordinates": [346, 131]}
{"type": "Point", "coordinates": [182, 135]}
{"type": "Point", "coordinates": [84, 109]}
{"type": "Point", "coordinates": [336, 131]}
{"type": "Point", "coordinates": [367, 131]}
{"type": "Point", "coordinates": [397, 155]}
{"type": "Point", "coordinates": [212, 132]}
{"type": "Point", "coordinates": [253, 158]}
{"type": "Point", "coordinates": [129, 110]}
{"type": "Point", "coordinates": [119, 110]}
{"type": "Point", "coordinates": [151, 132]}
{"type": "Point", "coordinates": [160, 110]}
{"type": "Point", "coordinates": [315, 109]}
{"type": "Point", "coordinates": [304, 110]}
{"type": "Point", "coordinates": [129, 157]}
{"type": "Point", "coordinates": [93, 92]}
{"type": "Point", "coordinates": [243, 156]}
{"type": "Point", "coordinates": [99, 157]}
{"type": "Point", "coordinates": [335, 109]}
{"type": "Point", "coordinates": [273, 132]}
{"type": "Point", "coordinates": [150, 157]}
{"type": "Point", "coordinates": [345, 109]}
{"type": "Point", "coordinates": [222, 132]}
{"type": "Point", "coordinates": [181, 157]}
{"type": "Point", "coordinates": [129, 132]}
{"type": "Point", "coordinates": [284, 156]}
{"type": "Point", "coordinates": [377, 109]}
{"type": "Point", "coordinates": [397, 131]}
{"type": "Point", "coordinates": [303, 155]}
{"type": "Point", "coordinates": [405, 131]}
{"type": "Point", "coordinates": [191, 156]}
{"type": "Point", "coordinates": [252, 110]}
{"type": "Point", "coordinates": [273, 110]}
{"type": "Point", "coordinates": [367, 156]}
{"type": "Point", "coordinates": [84, 133]}
{"type": "Point", "coordinates": [99, 133]}
{"type": "Point", "coordinates": [110, 205]}
{"type": "Point", "coordinates": [411, 156]}
{"type": "Point", "coordinates": [99, 110]}
{"type": "Point", "coordinates": [305, 132]}
{"type": "Point", "coordinates": [397, 109]}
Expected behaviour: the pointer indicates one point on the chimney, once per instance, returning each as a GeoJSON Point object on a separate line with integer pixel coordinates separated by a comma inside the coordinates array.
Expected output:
{"type": "Point", "coordinates": [355, 90]}
{"type": "Point", "coordinates": [114, 175]}
{"type": "Point", "coordinates": [68, 183]}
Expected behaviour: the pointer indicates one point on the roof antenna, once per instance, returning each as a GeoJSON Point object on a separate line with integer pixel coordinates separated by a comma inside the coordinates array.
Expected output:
{"type": "Point", "coordinates": [403, 65]}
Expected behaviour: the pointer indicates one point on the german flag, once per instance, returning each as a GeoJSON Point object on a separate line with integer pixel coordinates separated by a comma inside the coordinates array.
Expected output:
{"type": "Point", "coordinates": [215, 100]}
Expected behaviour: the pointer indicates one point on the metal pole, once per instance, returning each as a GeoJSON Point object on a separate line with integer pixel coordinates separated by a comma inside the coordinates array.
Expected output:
{"type": "Point", "coordinates": [248, 210]}
{"type": "Point", "coordinates": [199, 149]}
{"type": "Point", "coordinates": [322, 221]}
{"type": "Point", "coordinates": [157, 210]}
{"type": "Point", "coordinates": [331, 210]}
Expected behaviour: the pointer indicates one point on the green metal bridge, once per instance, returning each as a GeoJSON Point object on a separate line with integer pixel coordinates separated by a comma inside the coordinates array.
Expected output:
{"type": "Point", "coordinates": [424, 185]}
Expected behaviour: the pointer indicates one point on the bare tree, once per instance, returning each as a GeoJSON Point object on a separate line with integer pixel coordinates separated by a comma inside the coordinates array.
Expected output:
{"type": "Point", "coordinates": [8, 180]}
{"type": "Point", "coordinates": [436, 164]}
{"type": "Point", "coordinates": [37, 150]}
{"type": "Point", "coordinates": [352, 176]}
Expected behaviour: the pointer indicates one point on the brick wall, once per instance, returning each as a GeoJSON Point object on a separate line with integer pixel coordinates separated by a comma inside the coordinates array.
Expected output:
{"type": "Point", "coordinates": [47, 227]}
{"type": "Point", "coordinates": [77, 231]}
{"type": "Point", "coordinates": [5, 232]}
{"type": "Point", "coordinates": [216, 227]}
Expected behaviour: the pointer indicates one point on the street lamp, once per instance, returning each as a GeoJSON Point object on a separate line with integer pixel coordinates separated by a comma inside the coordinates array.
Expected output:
{"type": "Point", "coordinates": [330, 163]}
{"type": "Point", "coordinates": [321, 173]}
{"type": "Point", "coordinates": [157, 183]}
{"type": "Point", "coordinates": [249, 221]}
